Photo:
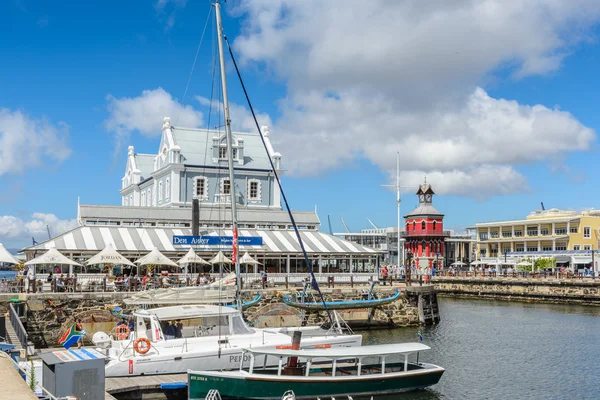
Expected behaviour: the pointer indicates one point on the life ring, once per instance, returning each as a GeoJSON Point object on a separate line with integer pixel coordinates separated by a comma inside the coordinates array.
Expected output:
{"type": "Point", "coordinates": [122, 331]}
{"type": "Point", "coordinates": [141, 345]}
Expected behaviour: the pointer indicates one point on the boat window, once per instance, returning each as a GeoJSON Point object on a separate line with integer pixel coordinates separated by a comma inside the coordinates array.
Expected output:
{"type": "Point", "coordinates": [239, 327]}
{"type": "Point", "coordinates": [202, 326]}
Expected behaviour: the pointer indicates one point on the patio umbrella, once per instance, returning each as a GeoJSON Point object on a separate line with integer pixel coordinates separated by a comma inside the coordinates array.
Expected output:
{"type": "Point", "coordinates": [246, 259]}
{"type": "Point", "coordinates": [191, 258]}
{"type": "Point", "coordinates": [526, 264]}
{"type": "Point", "coordinates": [53, 257]}
{"type": "Point", "coordinates": [155, 257]}
{"type": "Point", "coordinates": [477, 262]}
{"type": "Point", "coordinates": [220, 259]}
{"type": "Point", "coordinates": [6, 257]}
{"type": "Point", "coordinates": [458, 263]}
{"type": "Point", "coordinates": [109, 256]}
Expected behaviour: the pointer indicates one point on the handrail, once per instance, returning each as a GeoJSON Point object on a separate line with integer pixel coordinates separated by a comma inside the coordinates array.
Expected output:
{"type": "Point", "coordinates": [20, 330]}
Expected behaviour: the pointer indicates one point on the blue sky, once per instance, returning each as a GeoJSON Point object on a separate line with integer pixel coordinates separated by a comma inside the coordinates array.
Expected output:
{"type": "Point", "coordinates": [343, 90]}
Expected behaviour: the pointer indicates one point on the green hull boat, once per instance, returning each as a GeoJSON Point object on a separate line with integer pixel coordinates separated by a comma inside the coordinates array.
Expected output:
{"type": "Point", "coordinates": [322, 372]}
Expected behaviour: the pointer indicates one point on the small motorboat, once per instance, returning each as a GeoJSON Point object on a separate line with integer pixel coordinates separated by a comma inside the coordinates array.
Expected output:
{"type": "Point", "coordinates": [311, 373]}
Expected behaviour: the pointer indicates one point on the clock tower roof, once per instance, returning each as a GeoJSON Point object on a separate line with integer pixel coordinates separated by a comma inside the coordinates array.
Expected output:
{"type": "Point", "coordinates": [425, 207]}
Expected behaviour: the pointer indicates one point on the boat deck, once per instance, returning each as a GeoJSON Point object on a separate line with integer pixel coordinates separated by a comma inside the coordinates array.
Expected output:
{"type": "Point", "coordinates": [148, 382]}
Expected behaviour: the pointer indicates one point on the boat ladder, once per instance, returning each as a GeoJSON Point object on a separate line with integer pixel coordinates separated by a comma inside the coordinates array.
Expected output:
{"type": "Point", "coordinates": [213, 394]}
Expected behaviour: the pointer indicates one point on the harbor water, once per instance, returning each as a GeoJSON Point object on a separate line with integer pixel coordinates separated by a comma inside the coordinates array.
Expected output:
{"type": "Point", "coordinates": [502, 350]}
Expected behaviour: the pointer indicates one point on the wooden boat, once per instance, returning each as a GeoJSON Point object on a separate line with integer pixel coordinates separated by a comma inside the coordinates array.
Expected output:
{"type": "Point", "coordinates": [340, 305]}
{"type": "Point", "coordinates": [357, 371]}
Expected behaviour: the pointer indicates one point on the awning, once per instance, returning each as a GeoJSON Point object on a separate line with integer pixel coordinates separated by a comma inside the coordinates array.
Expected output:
{"type": "Point", "coordinates": [155, 257]}
{"type": "Point", "coordinates": [143, 239]}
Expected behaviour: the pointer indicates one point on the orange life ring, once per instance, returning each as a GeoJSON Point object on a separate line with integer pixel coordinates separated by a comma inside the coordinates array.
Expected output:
{"type": "Point", "coordinates": [143, 349]}
{"type": "Point", "coordinates": [122, 331]}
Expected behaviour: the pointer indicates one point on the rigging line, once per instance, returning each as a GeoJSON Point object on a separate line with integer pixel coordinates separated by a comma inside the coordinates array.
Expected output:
{"type": "Point", "coordinates": [194, 64]}
{"type": "Point", "coordinates": [210, 104]}
{"type": "Point", "coordinates": [287, 206]}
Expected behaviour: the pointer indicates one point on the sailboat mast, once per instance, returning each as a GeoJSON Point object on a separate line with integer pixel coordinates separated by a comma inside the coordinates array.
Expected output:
{"type": "Point", "coordinates": [400, 253]}
{"type": "Point", "coordinates": [229, 138]}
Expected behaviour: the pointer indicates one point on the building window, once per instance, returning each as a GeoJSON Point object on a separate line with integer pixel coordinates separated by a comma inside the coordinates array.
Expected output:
{"type": "Point", "coordinates": [532, 248]}
{"type": "Point", "coordinates": [560, 231]}
{"type": "Point", "coordinates": [546, 248]}
{"type": "Point", "coordinates": [587, 232]}
{"type": "Point", "coordinates": [143, 199]}
{"type": "Point", "coordinates": [506, 234]}
{"type": "Point", "coordinates": [482, 252]}
{"type": "Point", "coordinates": [160, 191]}
{"type": "Point", "coordinates": [573, 229]}
{"type": "Point", "coordinates": [434, 225]}
{"type": "Point", "coordinates": [532, 232]}
{"type": "Point", "coordinates": [414, 226]}
{"type": "Point", "coordinates": [494, 235]}
{"type": "Point", "coordinates": [587, 247]}
{"type": "Point", "coordinates": [407, 227]}
{"type": "Point", "coordinates": [544, 231]}
{"type": "Point", "coordinates": [518, 233]}
{"type": "Point", "coordinates": [520, 248]}
{"type": "Point", "coordinates": [576, 247]}
{"type": "Point", "coordinates": [200, 187]}
{"type": "Point", "coordinates": [254, 190]}
{"type": "Point", "coordinates": [167, 188]}
{"type": "Point", "coordinates": [561, 246]}
{"type": "Point", "coordinates": [483, 236]}
{"type": "Point", "coordinates": [422, 225]}
{"type": "Point", "coordinates": [223, 153]}
{"type": "Point", "coordinates": [225, 186]}
{"type": "Point", "coordinates": [149, 197]}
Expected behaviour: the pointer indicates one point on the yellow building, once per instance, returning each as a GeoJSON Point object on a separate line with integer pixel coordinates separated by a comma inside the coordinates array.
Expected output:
{"type": "Point", "coordinates": [541, 231]}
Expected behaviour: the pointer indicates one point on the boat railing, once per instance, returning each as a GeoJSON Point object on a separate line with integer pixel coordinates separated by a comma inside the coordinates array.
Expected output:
{"type": "Point", "coordinates": [15, 320]}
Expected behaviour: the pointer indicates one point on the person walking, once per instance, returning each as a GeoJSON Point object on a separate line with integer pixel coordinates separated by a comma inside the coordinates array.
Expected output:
{"type": "Point", "coordinates": [384, 274]}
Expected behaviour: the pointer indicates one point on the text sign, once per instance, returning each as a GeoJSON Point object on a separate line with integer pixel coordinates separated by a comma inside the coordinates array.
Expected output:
{"type": "Point", "coordinates": [217, 240]}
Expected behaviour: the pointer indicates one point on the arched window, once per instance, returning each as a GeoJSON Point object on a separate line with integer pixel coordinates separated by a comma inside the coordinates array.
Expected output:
{"type": "Point", "coordinates": [434, 225]}
{"type": "Point", "coordinates": [160, 191]}
{"type": "Point", "coordinates": [167, 188]}
{"type": "Point", "coordinates": [407, 227]}
{"type": "Point", "coordinates": [414, 226]}
{"type": "Point", "coordinates": [422, 225]}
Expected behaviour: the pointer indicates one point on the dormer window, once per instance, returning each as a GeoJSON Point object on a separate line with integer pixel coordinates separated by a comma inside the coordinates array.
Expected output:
{"type": "Point", "coordinates": [223, 153]}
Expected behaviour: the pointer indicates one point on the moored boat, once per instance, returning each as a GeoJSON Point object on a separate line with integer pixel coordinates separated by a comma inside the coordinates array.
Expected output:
{"type": "Point", "coordinates": [340, 305]}
{"type": "Point", "coordinates": [358, 371]}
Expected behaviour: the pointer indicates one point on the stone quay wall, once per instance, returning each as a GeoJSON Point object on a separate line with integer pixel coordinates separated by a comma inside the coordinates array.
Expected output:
{"type": "Point", "coordinates": [50, 315]}
{"type": "Point", "coordinates": [521, 289]}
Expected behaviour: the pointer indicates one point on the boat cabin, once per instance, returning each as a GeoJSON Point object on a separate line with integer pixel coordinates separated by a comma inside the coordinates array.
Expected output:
{"type": "Point", "coordinates": [196, 321]}
{"type": "Point", "coordinates": [338, 361]}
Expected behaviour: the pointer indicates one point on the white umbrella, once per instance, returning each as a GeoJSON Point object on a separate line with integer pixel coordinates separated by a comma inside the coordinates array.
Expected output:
{"type": "Point", "coordinates": [109, 256]}
{"type": "Point", "coordinates": [220, 259]}
{"type": "Point", "coordinates": [52, 256]}
{"type": "Point", "coordinates": [477, 262]}
{"type": "Point", "coordinates": [155, 257]}
{"type": "Point", "coordinates": [192, 258]}
{"type": "Point", "coordinates": [246, 259]}
{"type": "Point", "coordinates": [457, 263]}
{"type": "Point", "coordinates": [6, 257]}
{"type": "Point", "coordinates": [524, 263]}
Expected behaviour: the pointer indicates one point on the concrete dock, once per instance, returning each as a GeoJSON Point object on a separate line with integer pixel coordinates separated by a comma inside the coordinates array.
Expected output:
{"type": "Point", "coordinates": [12, 385]}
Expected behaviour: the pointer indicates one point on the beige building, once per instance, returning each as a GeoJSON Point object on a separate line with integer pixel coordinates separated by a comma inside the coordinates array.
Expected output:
{"type": "Point", "coordinates": [546, 230]}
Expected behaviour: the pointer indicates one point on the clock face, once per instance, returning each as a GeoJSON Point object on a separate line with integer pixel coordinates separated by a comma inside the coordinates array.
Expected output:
{"type": "Point", "coordinates": [428, 197]}
{"type": "Point", "coordinates": [421, 197]}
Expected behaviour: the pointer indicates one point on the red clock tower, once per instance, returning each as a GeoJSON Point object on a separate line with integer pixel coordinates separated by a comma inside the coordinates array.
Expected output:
{"type": "Point", "coordinates": [424, 232]}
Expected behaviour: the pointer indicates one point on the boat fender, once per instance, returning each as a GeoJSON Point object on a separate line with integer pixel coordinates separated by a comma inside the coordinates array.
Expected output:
{"type": "Point", "coordinates": [141, 345]}
{"type": "Point", "coordinates": [122, 331]}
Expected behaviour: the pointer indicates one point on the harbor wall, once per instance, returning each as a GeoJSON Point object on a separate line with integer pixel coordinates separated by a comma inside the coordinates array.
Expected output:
{"type": "Point", "coordinates": [49, 315]}
{"type": "Point", "coordinates": [520, 289]}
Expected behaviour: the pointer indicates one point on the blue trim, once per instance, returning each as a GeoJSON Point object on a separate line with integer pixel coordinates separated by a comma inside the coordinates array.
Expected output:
{"type": "Point", "coordinates": [87, 353]}
{"type": "Point", "coordinates": [173, 385]}
{"type": "Point", "coordinates": [74, 352]}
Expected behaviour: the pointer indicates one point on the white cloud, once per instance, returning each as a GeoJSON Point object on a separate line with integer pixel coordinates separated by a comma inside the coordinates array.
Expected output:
{"type": "Point", "coordinates": [145, 114]}
{"type": "Point", "coordinates": [241, 117]}
{"type": "Point", "coordinates": [368, 79]}
{"type": "Point", "coordinates": [27, 143]}
{"type": "Point", "coordinates": [15, 229]}
{"type": "Point", "coordinates": [168, 8]}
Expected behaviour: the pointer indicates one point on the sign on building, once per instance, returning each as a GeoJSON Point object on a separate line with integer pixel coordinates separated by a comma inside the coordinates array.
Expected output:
{"type": "Point", "coordinates": [216, 240]}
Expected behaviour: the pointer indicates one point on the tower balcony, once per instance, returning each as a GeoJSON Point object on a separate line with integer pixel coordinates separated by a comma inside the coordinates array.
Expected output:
{"type": "Point", "coordinates": [426, 232]}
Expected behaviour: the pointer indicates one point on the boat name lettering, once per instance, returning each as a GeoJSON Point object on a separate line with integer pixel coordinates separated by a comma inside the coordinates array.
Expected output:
{"type": "Point", "coordinates": [237, 359]}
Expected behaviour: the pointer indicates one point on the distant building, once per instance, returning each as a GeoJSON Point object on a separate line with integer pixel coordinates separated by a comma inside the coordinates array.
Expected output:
{"type": "Point", "coordinates": [568, 236]}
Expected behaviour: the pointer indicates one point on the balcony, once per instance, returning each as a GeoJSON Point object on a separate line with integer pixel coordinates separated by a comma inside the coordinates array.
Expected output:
{"type": "Point", "coordinates": [426, 232]}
